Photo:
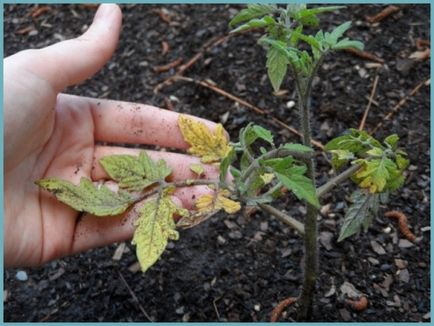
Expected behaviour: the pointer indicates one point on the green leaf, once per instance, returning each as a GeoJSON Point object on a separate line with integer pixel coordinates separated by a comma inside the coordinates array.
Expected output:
{"type": "Point", "coordinates": [154, 227]}
{"type": "Point", "coordinates": [135, 173]}
{"type": "Point", "coordinates": [401, 162]}
{"type": "Point", "coordinates": [266, 21]}
{"type": "Point", "coordinates": [252, 11]}
{"type": "Point", "coordinates": [277, 65]}
{"type": "Point", "coordinates": [86, 197]}
{"type": "Point", "coordinates": [392, 141]}
{"type": "Point", "coordinates": [250, 133]}
{"type": "Point", "coordinates": [360, 214]}
{"type": "Point", "coordinates": [224, 165]}
{"type": "Point", "coordinates": [298, 148]}
{"type": "Point", "coordinates": [302, 187]}
{"type": "Point", "coordinates": [340, 157]}
{"type": "Point", "coordinates": [263, 134]}
{"type": "Point", "coordinates": [279, 165]}
{"type": "Point", "coordinates": [337, 33]}
{"type": "Point", "coordinates": [348, 44]}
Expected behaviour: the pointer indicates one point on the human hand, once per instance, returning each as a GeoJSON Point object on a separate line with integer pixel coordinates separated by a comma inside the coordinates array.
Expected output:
{"type": "Point", "coordinates": [51, 134]}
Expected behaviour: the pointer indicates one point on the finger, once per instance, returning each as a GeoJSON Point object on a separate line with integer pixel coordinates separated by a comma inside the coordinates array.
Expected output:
{"type": "Point", "coordinates": [133, 123]}
{"type": "Point", "coordinates": [93, 231]}
{"type": "Point", "coordinates": [179, 163]}
{"type": "Point", "coordinates": [70, 62]}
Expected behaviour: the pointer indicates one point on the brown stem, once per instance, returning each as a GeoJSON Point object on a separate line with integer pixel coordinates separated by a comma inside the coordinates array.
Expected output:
{"type": "Point", "coordinates": [333, 182]}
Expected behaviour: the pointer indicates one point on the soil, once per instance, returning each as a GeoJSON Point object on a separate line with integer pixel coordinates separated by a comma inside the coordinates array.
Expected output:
{"type": "Point", "coordinates": [231, 268]}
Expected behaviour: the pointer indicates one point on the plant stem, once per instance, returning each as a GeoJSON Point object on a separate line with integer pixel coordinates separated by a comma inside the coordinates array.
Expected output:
{"type": "Point", "coordinates": [305, 311]}
{"type": "Point", "coordinates": [329, 185]}
{"type": "Point", "coordinates": [288, 220]}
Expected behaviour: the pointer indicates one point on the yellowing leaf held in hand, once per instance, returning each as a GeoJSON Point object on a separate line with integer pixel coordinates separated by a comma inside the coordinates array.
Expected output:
{"type": "Point", "coordinates": [86, 197]}
{"type": "Point", "coordinates": [135, 173]}
{"type": "Point", "coordinates": [198, 169]}
{"type": "Point", "coordinates": [210, 147]}
{"type": "Point", "coordinates": [209, 203]}
{"type": "Point", "coordinates": [155, 226]}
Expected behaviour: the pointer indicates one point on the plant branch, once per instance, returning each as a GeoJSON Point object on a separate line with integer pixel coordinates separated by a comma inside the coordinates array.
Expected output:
{"type": "Point", "coordinates": [329, 185]}
{"type": "Point", "coordinates": [275, 153]}
{"type": "Point", "coordinates": [286, 219]}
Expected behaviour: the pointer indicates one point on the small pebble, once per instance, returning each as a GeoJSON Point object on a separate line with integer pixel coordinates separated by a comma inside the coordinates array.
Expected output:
{"type": "Point", "coordinates": [236, 235]}
{"type": "Point", "coordinates": [21, 276]}
{"type": "Point", "coordinates": [180, 310]}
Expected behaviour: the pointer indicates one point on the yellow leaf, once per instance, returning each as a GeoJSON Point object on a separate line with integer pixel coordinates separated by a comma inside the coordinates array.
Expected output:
{"type": "Point", "coordinates": [154, 227]}
{"type": "Point", "coordinates": [210, 203]}
{"type": "Point", "coordinates": [204, 144]}
{"type": "Point", "coordinates": [198, 169]}
{"type": "Point", "coordinates": [267, 178]}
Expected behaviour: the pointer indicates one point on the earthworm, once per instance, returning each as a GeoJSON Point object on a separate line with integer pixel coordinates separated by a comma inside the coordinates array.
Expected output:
{"type": "Point", "coordinates": [402, 224]}
{"type": "Point", "coordinates": [278, 310]}
{"type": "Point", "coordinates": [358, 305]}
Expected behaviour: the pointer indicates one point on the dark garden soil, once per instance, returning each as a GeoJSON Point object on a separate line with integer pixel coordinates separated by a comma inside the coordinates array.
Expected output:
{"type": "Point", "coordinates": [232, 268]}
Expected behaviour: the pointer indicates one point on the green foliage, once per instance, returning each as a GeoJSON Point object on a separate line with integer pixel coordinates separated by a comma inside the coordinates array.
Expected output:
{"type": "Point", "coordinates": [301, 186]}
{"type": "Point", "coordinates": [360, 214]}
{"type": "Point", "coordinates": [283, 32]}
{"type": "Point", "coordinates": [87, 197]}
{"type": "Point", "coordinates": [277, 65]}
{"type": "Point", "coordinates": [251, 12]}
{"type": "Point", "coordinates": [135, 173]}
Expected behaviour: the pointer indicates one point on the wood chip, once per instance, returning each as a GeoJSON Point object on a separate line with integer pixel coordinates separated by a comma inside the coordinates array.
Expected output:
{"type": "Point", "coordinates": [134, 268]}
{"type": "Point", "coordinates": [377, 248]}
{"type": "Point", "coordinates": [119, 251]}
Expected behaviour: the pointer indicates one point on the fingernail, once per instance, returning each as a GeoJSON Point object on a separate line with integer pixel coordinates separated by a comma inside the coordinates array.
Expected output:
{"type": "Point", "coordinates": [104, 11]}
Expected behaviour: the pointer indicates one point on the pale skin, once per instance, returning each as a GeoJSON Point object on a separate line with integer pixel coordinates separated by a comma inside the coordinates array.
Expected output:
{"type": "Point", "coordinates": [51, 134]}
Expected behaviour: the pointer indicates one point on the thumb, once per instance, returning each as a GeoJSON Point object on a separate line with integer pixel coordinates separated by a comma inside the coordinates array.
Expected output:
{"type": "Point", "coordinates": [73, 61]}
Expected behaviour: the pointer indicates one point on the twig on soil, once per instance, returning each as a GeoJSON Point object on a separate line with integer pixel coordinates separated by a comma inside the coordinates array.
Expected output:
{"type": "Point", "coordinates": [402, 224]}
{"type": "Point", "coordinates": [386, 12]}
{"type": "Point", "coordinates": [215, 307]}
{"type": "Point", "coordinates": [286, 219]}
{"type": "Point", "coordinates": [168, 66]}
{"type": "Point", "coordinates": [135, 299]}
{"type": "Point", "coordinates": [368, 107]}
{"type": "Point", "coordinates": [37, 11]}
{"type": "Point", "coordinates": [278, 310]}
{"type": "Point", "coordinates": [358, 305]}
{"type": "Point", "coordinates": [164, 48]}
{"type": "Point", "coordinates": [247, 105]}
{"type": "Point", "coordinates": [211, 43]}
{"type": "Point", "coordinates": [365, 55]}
{"type": "Point", "coordinates": [25, 30]}
{"type": "Point", "coordinates": [168, 104]}
{"type": "Point", "coordinates": [396, 108]}
{"type": "Point", "coordinates": [164, 15]}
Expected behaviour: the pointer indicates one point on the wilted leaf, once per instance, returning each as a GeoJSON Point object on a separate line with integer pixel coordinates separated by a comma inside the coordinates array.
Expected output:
{"type": "Point", "coordinates": [86, 197]}
{"type": "Point", "coordinates": [135, 172]}
{"type": "Point", "coordinates": [204, 144]}
{"type": "Point", "coordinates": [360, 214]}
{"type": "Point", "coordinates": [154, 227]}
{"type": "Point", "coordinates": [210, 203]}
{"type": "Point", "coordinates": [340, 157]}
{"type": "Point", "coordinates": [374, 174]}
